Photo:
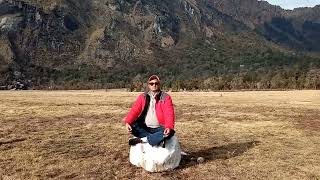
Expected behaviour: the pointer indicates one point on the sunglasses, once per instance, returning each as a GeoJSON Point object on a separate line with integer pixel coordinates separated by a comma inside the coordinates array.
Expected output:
{"type": "Point", "coordinates": [156, 83]}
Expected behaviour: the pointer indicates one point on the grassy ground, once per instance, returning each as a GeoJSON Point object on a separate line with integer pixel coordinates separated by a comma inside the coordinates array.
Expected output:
{"type": "Point", "coordinates": [241, 135]}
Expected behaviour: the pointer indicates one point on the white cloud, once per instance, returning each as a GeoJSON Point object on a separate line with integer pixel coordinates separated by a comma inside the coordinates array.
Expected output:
{"type": "Point", "coordinates": [290, 4]}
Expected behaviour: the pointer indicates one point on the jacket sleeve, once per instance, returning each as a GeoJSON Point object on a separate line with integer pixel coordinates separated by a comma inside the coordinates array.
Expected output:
{"type": "Point", "coordinates": [169, 113]}
{"type": "Point", "coordinates": [134, 111]}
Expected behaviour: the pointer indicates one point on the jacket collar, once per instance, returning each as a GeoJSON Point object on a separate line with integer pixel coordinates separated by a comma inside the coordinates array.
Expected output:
{"type": "Point", "coordinates": [158, 95]}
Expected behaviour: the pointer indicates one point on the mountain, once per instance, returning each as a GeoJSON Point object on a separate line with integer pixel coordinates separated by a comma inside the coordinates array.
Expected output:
{"type": "Point", "coordinates": [298, 29]}
{"type": "Point", "coordinates": [115, 43]}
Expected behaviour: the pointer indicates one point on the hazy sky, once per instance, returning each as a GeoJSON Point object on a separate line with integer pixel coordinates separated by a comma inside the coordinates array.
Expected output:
{"type": "Point", "coordinates": [290, 4]}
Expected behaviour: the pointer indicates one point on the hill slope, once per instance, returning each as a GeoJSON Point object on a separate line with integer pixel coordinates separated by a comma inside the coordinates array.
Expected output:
{"type": "Point", "coordinates": [112, 43]}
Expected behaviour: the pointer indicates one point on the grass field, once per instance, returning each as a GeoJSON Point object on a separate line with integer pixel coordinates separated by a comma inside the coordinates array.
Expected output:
{"type": "Point", "coordinates": [241, 135]}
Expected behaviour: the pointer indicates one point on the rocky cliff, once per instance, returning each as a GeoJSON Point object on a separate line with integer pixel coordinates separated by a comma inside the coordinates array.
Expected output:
{"type": "Point", "coordinates": [111, 42]}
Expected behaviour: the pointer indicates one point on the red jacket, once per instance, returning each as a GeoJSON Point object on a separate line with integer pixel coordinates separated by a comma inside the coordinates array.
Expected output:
{"type": "Point", "coordinates": [164, 110]}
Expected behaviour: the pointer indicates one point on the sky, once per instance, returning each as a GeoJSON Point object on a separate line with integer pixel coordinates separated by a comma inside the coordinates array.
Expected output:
{"type": "Point", "coordinates": [290, 4]}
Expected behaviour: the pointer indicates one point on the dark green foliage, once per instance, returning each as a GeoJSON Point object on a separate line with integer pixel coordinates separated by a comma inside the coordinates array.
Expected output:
{"type": "Point", "coordinates": [77, 45]}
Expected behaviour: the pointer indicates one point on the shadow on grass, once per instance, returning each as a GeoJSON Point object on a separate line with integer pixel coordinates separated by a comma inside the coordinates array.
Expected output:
{"type": "Point", "coordinates": [213, 153]}
{"type": "Point", "coordinates": [10, 141]}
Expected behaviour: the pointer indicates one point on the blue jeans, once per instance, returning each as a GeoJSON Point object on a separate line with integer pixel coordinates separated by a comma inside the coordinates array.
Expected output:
{"type": "Point", "coordinates": [154, 135]}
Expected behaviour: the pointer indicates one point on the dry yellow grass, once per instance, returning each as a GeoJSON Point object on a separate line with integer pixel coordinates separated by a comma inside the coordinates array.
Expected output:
{"type": "Point", "coordinates": [241, 135]}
